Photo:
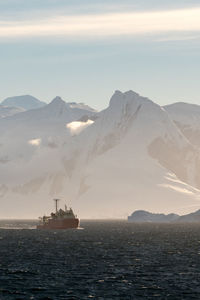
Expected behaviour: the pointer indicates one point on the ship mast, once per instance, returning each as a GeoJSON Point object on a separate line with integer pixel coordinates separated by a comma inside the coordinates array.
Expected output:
{"type": "Point", "coordinates": [56, 203]}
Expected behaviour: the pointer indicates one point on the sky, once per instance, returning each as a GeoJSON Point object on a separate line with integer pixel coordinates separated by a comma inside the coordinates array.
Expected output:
{"type": "Point", "coordinates": [84, 50]}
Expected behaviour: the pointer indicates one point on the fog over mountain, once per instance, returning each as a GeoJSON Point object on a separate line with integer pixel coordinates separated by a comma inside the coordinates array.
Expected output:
{"type": "Point", "coordinates": [8, 111]}
{"type": "Point", "coordinates": [132, 155]}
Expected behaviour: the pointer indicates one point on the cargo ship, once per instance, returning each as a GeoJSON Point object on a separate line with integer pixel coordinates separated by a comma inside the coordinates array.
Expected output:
{"type": "Point", "coordinates": [61, 219]}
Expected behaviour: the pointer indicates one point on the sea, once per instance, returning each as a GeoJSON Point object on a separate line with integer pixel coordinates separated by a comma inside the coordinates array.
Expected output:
{"type": "Point", "coordinates": [101, 260]}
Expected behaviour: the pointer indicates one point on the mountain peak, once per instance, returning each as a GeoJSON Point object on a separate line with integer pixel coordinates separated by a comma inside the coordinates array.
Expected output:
{"type": "Point", "coordinates": [129, 93]}
{"type": "Point", "coordinates": [58, 100]}
{"type": "Point", "coordinates": [26, 102]}
{"type": "Point", "coordinates": [120, 99]}
{"type": "Point", "coordinates": [58, 107]}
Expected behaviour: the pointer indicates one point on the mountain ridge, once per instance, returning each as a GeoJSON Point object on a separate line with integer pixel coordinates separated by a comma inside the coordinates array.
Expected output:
{"type": "Point", "coordinates": [131, 154]}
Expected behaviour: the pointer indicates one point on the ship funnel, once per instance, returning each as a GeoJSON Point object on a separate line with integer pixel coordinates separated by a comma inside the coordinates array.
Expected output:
{"type": "Point", "coordinates": [56, 204]}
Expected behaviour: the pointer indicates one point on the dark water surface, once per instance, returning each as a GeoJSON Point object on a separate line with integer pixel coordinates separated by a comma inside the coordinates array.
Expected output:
{"type": "Point", "coordinates": [105, 260]}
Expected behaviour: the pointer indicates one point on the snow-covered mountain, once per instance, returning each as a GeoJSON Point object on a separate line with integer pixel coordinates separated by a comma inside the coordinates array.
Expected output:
{"type": "Point", "coordinates": [187, 118]}
{"type": "Point", "coordinates": [129, 156]}
{"type": "Point", "coordinates": [8, 111]}
{"type": "Point", "coordinates": [25, 102]}
{"type": "Point", "coordinates": [81, 106]}
{"type": "Point", "coordinates": [43, 128]}
{"type": "Point", "coordinates": [133, 157]}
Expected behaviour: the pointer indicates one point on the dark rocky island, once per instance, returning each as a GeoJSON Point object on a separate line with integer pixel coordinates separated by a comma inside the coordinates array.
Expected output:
{"type": "Point", "coordinates": [190, 218]}
{"type": "Point", "coordinates": [142, 216]}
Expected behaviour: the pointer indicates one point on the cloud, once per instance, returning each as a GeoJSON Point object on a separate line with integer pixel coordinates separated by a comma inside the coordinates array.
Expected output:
{"type": "Point", "coordinates": [76, 127]}
{"type": "Point", "coordinates": [35, 142]}
{"type": "Point", "coordinates": [180, 189]}
{"type": "Point", "coordinates": [111, 24]}
{"type": "Point", "coordinates": [183, 37]}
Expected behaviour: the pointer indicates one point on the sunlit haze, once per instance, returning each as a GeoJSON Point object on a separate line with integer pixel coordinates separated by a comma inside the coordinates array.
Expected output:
{"type": "Point", "coordinates": [99, 106]}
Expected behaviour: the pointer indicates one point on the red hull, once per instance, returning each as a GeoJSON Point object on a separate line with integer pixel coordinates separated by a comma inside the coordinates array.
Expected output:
{"type": "Point", "coordinates": [60, 224]}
